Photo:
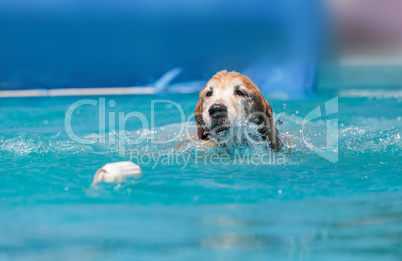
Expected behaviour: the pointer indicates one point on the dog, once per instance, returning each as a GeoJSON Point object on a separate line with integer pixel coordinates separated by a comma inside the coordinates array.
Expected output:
{"type": "Point", "coordinates": [229, 97]}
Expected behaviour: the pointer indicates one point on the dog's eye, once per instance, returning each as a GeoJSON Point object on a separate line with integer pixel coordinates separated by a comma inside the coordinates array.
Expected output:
{"type": "Point", "coordinates": [240, 93]}
{"type": "Point", "coordinates": [208, 94]}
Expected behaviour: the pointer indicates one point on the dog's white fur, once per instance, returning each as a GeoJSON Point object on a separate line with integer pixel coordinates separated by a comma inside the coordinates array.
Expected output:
{"type": "Point", "coordinates": [223, 96]}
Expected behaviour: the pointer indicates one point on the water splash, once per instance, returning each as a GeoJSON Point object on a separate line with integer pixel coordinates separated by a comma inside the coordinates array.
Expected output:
{"type": "Point", "coordinates": [364, 139]}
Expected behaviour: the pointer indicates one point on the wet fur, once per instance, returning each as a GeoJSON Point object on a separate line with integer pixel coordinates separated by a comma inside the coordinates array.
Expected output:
{"type": "Point", "coordinates": [260, 106]}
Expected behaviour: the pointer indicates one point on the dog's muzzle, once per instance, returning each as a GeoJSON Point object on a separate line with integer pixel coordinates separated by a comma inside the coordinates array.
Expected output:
{"type": "Point", "coordinates": [219, 117]}
{"type": "Point", "coordinates": [218, 111]}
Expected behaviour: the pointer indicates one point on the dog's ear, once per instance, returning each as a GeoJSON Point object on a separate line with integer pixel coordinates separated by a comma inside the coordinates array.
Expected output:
{"type": "Point", "coordinates": [269, 131]}
{"type": "Point", "coordinates": [266, 118]}
{"type": "Point", "coordinates": [202, 131]}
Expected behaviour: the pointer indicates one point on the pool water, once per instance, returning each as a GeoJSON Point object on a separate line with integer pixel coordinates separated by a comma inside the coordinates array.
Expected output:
{"type": "Point", "coordinates": [302, 208]}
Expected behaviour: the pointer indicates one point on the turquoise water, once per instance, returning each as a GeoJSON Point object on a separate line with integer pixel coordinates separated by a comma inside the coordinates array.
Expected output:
{"type": "Point", "coordinates": [305, 208]}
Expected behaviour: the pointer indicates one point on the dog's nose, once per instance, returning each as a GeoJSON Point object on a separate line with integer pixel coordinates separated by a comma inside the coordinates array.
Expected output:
{"type": "Point", "coordinates": [218, 111]}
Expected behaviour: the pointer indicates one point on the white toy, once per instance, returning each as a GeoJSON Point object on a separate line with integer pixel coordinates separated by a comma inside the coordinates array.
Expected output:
{"type": "Point", "coordinates": [117, 172]}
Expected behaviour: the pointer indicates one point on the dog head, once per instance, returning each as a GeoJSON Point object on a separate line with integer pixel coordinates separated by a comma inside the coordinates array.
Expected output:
{"type": "Point", "coordinates": [229, 97]}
